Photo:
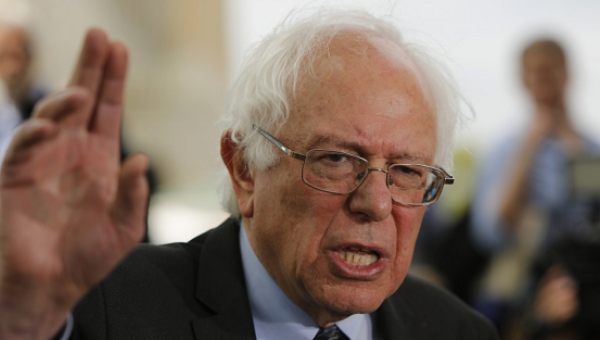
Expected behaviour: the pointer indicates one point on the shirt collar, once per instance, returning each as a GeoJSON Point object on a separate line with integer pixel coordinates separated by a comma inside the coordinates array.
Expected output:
{"type": "Point", "coordinates": [275, 316]}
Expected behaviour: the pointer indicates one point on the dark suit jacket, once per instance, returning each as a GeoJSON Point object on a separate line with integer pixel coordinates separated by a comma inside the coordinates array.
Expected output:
{"type": "Point", "coordinates": [196, 290]}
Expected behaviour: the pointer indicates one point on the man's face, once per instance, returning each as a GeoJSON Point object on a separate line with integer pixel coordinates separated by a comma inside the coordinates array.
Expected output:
{"type": "Point", "coordinates": [14, 60]}
{"type": "Point", "coordinates": [544, 75]}
{"type": "Point", "coordinates": [368, 103]}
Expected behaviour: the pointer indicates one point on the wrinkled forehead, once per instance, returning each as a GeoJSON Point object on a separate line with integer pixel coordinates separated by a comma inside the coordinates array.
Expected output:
{"type": "Point", "coordinates": [365, 54]}
{"type": "Point", "coordinates": [358, 66]}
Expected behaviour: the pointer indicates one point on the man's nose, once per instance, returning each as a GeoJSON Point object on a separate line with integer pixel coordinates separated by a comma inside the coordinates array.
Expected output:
{"type": "Point", "coordinates": [372, 198]}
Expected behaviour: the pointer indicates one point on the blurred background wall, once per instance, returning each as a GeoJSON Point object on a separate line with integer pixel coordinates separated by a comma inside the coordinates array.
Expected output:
{"type": "Point", "coordinates": [183, 53]}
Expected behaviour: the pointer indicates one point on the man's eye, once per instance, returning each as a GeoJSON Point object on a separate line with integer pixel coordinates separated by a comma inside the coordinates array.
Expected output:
{"type": "Point", "coordinates": [407, 171]}
{"type": "Point", "coordinates": [334, 158]}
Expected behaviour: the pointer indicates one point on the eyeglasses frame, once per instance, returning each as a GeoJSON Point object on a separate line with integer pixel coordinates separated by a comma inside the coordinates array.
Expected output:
{"type": "Point", "coordinates": [447, 178]}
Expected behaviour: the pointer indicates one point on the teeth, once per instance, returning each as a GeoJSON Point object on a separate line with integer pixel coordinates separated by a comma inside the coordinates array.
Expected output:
{"type": "Point", "coordinates": [364, 258]}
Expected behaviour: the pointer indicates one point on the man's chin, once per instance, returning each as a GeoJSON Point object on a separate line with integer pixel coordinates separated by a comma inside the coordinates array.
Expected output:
{"type": "Point", "coordinates": [342, 302]}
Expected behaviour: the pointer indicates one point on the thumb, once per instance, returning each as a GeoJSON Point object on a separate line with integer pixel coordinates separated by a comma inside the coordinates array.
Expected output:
{"type": "Point", "coordinates": [131, 204]}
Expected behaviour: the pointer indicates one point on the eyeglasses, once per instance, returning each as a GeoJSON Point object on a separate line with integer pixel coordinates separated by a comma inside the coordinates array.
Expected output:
{"type": "Point", "coordinates": [339, 172]}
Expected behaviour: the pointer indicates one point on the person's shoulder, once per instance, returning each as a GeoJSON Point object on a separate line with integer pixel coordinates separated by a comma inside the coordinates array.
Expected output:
{"type": "Point", "coordinates": [153, 290]}
{"type": "Point", "coordinates": [165, 255]}
{"type": "Point", "coordinates": [173, 260]}
{"type": "Point", "coordinates": [176, 262]}
{"type": "Point", "coordinates": [435, 313]}
{"type": "Point", "coordinates": [149, 269]}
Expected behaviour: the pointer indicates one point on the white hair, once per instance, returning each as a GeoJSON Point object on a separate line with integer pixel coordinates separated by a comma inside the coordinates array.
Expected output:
{"type": "Point", "coordinates": [260, 93]}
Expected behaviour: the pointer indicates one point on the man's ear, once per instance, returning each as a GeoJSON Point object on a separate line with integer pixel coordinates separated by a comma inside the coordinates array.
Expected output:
{"type": "Point", "coordinates": [241, 176]}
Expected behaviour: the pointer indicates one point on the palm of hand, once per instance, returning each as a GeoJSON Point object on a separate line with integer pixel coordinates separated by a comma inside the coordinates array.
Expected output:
{"type": "Point", "coordinates": [58, 201]}
{"type": "Point", "coordinates": [69, 211]}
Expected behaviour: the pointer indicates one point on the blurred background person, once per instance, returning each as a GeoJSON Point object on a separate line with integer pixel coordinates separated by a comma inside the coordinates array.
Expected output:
{"type": "Point", "coordinates": [20, 90]}
{"type": "Point", "coordinates": [16, 67]}
{"type": "Point", "coordinates": [523, 204]}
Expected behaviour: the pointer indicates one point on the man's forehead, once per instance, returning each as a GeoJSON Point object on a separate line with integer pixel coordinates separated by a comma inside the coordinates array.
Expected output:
{"type": "Point", "coordinates": [356, 51]}
{"type": "Point", "coordinates": [362, 48]}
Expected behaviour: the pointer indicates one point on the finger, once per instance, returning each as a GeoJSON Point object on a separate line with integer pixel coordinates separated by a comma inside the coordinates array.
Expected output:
{"type": "Point", "coordinates": [130, 207]}
{"type": "Point", "coordinates": [553, 272]}
{"type": "Point", "coordinates": [566, 283]}
{"type": "Point", "coordinates": [71, 106]}
{"type": "Point", "coordinates": [562, 311]}
{"type": "Point", "coordinates": [27, 136]}
{"type": "Point", "coordinates": [109, 109]}
{"type": "Point", "coordinates": [92, 58]}
{"type": "Point", "coordinates": [571, 308]}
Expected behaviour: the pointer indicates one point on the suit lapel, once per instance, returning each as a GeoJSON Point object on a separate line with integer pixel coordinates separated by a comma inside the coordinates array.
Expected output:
{"type": "Point", "coordinates": [390, 322]}
{"type": "Point", "coordinates": [221, 287]}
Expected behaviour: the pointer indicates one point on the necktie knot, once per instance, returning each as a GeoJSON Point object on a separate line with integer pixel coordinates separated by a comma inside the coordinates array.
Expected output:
{"type": "Point", "coordinates": [330, 333]}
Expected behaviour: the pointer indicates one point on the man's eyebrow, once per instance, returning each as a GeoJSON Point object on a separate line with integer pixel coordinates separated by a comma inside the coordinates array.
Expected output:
{"type": "Point", "coordinates": [402, 157]}
{"type": "Point", "coordinates": [340, 142]}
{"type": "Point", "coordinates": [406, 157]}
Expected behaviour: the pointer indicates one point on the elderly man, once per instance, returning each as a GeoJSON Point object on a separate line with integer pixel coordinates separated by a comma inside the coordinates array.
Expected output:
{"type": "Point", "coordinates": [336, 131]}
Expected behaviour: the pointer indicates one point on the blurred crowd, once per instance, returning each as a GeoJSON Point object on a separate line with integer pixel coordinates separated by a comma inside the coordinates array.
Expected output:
{"type": "Point", "coordinates": [523, 248]}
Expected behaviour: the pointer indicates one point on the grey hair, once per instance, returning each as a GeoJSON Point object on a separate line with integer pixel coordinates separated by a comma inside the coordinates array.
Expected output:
{"type": "Point", "coordinates": [260, 92]}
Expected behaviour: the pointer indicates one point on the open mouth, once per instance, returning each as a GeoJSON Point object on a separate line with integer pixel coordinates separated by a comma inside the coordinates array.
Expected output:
{"type": "Point", "coordinates": [358, 256]}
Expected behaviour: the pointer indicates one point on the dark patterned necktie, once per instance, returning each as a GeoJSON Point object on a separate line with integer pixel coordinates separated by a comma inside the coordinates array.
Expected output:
{"type": "Point", "coordinates": [330, 333]}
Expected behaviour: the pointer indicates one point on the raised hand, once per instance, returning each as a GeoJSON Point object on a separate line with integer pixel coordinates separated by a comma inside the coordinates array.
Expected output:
{"type": "Point", "coordinates": [69, 211]}
{"type": "Point", "coordinates": [556, 299]}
